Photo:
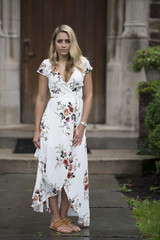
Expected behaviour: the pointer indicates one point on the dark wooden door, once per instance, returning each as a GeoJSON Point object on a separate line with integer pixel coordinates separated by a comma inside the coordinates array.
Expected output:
{"type": "Point", "coordinates": [39, 19]}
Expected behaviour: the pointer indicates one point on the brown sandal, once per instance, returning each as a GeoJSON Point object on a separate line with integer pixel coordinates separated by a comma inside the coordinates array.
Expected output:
{"type": "Point", "coordinates": [57, 224]}
{"type": "Point", "coordinates": [69, 222]}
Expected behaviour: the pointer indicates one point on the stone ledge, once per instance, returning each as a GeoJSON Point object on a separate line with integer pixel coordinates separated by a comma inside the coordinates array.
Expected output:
{"type": "Point", "coordinates": [93, 130]}
{"type": "Point", "coordinates": [116, 162]}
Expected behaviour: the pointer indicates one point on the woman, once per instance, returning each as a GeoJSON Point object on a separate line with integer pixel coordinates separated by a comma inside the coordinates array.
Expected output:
{"type": "Point", "coordinates": [60, 133]}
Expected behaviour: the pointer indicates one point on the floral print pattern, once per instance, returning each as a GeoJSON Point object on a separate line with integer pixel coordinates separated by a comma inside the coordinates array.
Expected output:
{"type": "Point", "coordinates": [86, 185]}
{"type": "Point", "coordinates": [67, 114]}
{"type": "Point", "coordinates": [75, 86]}
{"type": "Point", "coordinates": [69, 161]}
{"type": "Point", "coordinates": [75, 203]}
{"type": "Point", "coordinates": [60, 164]}
{"type": "Point", "coordinates": [44, 130]}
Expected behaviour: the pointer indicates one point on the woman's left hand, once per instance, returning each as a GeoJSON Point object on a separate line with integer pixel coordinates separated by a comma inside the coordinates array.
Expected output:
{"type": "Point", "coordinates": [78, 135]}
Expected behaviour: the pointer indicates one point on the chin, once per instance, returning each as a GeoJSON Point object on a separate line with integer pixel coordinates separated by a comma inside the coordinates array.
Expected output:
{"type": "Point", "coordinates": [64, 54]}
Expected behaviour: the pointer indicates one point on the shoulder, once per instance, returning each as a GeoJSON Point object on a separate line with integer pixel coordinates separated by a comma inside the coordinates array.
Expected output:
{"type": "Point", "coordinates": [85, 65]}
{"type": "Point", "coordinates": [45, 67]}
{"type": "Point", "coordinates": [46, 62]}
{"type": "Point", "coordinates": [84, 60]}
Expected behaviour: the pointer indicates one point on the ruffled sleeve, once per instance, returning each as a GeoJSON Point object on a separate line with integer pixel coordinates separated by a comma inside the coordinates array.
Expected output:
{"type": "Point", "coordinates": [43, 68]}
{"type": "Point", "coordinates": [87, 67]}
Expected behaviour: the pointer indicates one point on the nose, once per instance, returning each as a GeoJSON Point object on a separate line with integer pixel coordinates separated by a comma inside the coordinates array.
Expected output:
{"type": "Point", "coordinates": [63, 44]}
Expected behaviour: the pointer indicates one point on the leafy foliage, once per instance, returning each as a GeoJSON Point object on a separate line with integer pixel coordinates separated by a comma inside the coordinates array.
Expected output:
{"type": "Point", "coordinates": [152, 118]}
{"type": "Point", "coordinates": [152, 123]}
{"type": "Point", "coordinates": [154, 189]}
{"type": "Point", "coordinates": [158, 167]}
{"type": "Point", "coordinates": [149, 58]}
{"type": "Point", "coordinates": [147, 217]}
{"type": "Point", "coordinates": [147, 87]}
{"type": "Point", "coordinates": [124, 188]}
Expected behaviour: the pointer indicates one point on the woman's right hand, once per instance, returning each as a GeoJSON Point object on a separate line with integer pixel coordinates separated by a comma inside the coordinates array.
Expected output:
{"type": "Point", "coordinates": [36, 139]}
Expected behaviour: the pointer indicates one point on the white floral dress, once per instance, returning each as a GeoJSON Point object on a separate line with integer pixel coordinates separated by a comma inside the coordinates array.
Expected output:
{"type": "Point", "coordinates": [59, 163]}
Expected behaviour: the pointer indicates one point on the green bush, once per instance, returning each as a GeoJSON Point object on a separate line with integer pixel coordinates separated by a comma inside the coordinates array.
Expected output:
{"type": "Point", "coordinates": [158, 167]}
{"type": "Point", "coordinates": [147, 87]}
{"type": "Point", "coordinates": [149, 58]}
{"type": "Point", "coordinates": [152, 123]}
{"type": "Point", "coordinates": [154, 141]}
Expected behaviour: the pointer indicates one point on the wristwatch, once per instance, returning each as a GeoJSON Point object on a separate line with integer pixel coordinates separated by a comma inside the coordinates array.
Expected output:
{"type": "Point", "coordinates": [84, 124]}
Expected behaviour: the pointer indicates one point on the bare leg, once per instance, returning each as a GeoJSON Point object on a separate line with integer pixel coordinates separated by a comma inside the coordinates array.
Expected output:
{"type": "Point", "coordinates": [64, 205]}
{"type": "Point", "coordinates": [53, 203]}
{"type": "Point", "coordinates": [64, 209]}
{"type": "Point", "coordinates": [55, 215]}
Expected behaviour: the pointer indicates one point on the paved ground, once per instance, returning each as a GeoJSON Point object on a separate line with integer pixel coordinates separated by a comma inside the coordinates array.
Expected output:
{"type": "Point", "coordinates": [110, 215]}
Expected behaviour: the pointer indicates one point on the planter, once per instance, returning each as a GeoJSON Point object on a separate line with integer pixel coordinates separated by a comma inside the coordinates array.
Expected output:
{"type": "Point", "coordinates": [152, 74]}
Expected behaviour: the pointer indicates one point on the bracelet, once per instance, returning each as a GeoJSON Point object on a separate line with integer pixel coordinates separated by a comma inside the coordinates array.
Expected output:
{"type": "Point", "coordinates": [84, 124]}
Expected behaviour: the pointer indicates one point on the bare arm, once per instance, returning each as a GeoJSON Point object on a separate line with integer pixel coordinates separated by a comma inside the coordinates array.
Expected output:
{"type": "Point", "coordinates": [39, 108]}
{"type": "Point", "coordinates": [88, 99]}
{"type": "Point", "coordinates": [87, 96]}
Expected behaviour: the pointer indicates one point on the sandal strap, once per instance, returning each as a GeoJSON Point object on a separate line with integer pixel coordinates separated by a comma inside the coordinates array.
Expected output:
{"type": "Point", "coordinates": [58, 223]}
{"type": "Point", "coordinates": [67, 220]}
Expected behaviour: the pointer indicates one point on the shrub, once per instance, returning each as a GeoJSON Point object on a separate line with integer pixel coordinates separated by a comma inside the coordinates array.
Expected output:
{"type": "Point", "coordinates": [149, 58]}
{"type": "Point", "coordinates": [154, 141]}
{"type": "Point", "coordinates": [147, 87]}
{"type": "Point", "coordinates": [152, 123]}
{"type": "Point", "coordinates": [158, 167]}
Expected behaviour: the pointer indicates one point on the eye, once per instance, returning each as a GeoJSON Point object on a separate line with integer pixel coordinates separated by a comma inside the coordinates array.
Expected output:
{"type": "Point", "coordinates": [67, 41]}
{"type": "Point", "coordinates": [59, 40]}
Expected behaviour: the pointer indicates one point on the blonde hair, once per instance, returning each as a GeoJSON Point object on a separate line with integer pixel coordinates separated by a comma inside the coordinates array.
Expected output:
{"type": "Point", "coordinates": [75, 53]}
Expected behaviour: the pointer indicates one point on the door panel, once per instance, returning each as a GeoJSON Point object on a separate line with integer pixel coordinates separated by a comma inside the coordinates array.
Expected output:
{"type": "Point", "coordinates": [39, 19]}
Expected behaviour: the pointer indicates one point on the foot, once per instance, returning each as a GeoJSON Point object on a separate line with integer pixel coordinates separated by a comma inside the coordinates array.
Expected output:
{"type": "Point", "coordinates": [60, 226]}
{"type": "Point", "coordinates": [74, 227]}
{"type": "Point", "coordinates": [69, 222]}
{"type": "Point", "coordinates": [64, 228]}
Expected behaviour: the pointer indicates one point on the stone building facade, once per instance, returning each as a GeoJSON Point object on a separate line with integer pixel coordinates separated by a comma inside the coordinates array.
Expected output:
{"type": "Point", "coordinates": [154, 23]}
{"type": "Point", "coordinates": [10, 62]}
{"type": "Point", "coordinates": [127, 29]}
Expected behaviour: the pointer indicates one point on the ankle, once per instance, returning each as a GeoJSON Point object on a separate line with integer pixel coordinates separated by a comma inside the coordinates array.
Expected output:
{"type": "Point", "coordinates": [54, 218]}
{"type": "Point", "coordinates": [63, 216]}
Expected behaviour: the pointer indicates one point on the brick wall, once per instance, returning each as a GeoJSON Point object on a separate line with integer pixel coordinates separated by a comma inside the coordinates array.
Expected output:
{"type": "Point", "coordinates": [154, 23]}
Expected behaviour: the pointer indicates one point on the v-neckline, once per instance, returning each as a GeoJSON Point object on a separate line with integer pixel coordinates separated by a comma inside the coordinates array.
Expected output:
{"type": "Point", "coordinates": [58, 72]}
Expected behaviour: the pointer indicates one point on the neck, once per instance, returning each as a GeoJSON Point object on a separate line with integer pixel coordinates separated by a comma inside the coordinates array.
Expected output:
{"type": "Point", "coordinates": [62, 59]}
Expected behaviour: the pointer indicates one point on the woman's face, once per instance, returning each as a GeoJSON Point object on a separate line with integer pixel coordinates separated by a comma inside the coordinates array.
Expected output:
{"type": "Point", "coordinates": [62, 44]}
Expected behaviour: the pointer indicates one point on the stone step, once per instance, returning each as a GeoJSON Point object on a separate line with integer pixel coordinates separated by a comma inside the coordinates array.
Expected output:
{"type": "Point", "coordinates": [98, 136]}
{"type": "Point", "coordinates": [116, 162]}
{"type": "Point", "coordinates": [112, 143]}
{"type": "Point", "coordinates": [107, 137]}
{"type": "Point", "coordinates": [92, 142]}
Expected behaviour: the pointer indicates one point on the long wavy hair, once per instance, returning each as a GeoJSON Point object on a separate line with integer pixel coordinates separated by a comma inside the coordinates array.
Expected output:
{"type": "Point", "coordinates": [75, 54]}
